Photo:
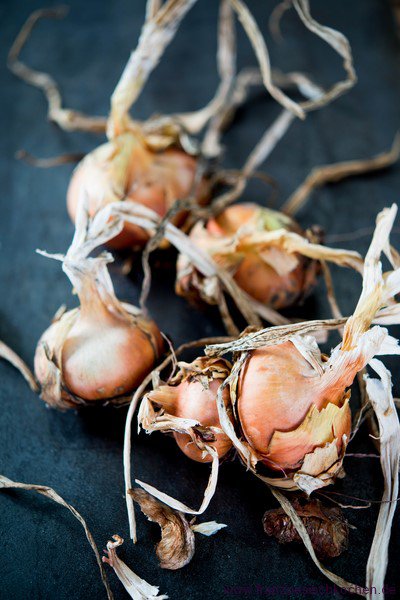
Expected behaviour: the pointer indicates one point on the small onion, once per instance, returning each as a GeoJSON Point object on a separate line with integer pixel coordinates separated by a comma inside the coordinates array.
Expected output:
{"type": "Point", "coordinates": [192, 395]}
{"type": "Point", "coordinates": [126, 168]}
{"type": "Point", "coordinates": [96, 353]}
{"type": "Point", "coordinates": [257, 270]}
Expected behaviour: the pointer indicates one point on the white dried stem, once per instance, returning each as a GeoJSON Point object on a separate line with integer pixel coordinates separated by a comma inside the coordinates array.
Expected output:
{"type": "Point", "coordinates": [226, 60]}
{"type": "Point", "coordinates": [380, 395]}
{"type": "Point", "coordinates": [155, 36]}
{"type": "Point", "coordinates": [340, 44]}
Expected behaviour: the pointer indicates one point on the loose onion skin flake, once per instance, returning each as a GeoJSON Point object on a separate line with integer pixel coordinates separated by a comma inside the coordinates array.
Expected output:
{"type": "Point", "coordinates": [191, 396]}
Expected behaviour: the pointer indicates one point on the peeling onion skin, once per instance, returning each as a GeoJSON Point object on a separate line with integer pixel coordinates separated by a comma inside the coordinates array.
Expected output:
{"type": "Point", "coordinates": [277, 388]}
{"type": "Point", "coordinates": [102, 356]}
{"type": "Point", "coordinates": [251, 273]}
{"type": "Point", "coordinates": [192, 400]}
{"type": "Point", "coordinates": [153, 179]}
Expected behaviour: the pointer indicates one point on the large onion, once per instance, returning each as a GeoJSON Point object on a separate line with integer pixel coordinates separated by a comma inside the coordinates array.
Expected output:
{"type": "Point", "coordinates": [287, 409]}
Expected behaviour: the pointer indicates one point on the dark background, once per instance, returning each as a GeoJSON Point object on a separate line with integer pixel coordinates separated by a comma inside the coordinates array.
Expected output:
{"type": "Point", "coordinates": [44, 552]}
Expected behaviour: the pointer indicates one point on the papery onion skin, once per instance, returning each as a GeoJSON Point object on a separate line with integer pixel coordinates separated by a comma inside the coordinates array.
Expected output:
{"type": "Point", "coordinates": [191, 399]}
{"type": "Point", "coordinates": [257, 278]}
{"type": "Point", "coordinates": [153, 179]}
{"type": "Point", "coordinates": [99, 356]}
{"type": "Point", "coordinates": [277, 388]}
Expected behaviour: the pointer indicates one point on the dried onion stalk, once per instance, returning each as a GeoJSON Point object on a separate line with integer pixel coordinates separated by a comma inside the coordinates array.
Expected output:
{"type": "Point", "coordinates": [10, 356]}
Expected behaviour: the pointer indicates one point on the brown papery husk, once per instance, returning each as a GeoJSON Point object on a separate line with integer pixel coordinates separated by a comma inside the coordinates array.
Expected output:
{"type": "Point", "coordinates": [326, 526]}
{"type": "Point", "coordinates": [176, 548]}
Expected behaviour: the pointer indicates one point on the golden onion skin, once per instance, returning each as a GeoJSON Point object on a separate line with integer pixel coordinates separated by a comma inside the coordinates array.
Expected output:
{"type": "Point", "coordinates": [195, 402]}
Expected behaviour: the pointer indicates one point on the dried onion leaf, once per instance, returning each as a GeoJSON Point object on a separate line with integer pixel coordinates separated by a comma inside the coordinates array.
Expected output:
{"type": "Point", "coordinates": [137, 588]}
{"type": "Point", "coordinates": [208, 527]}
{"type": "Point", "coordinates": [320, 176]}
{"type": "Point", "coordinates": [67, 119]}
{"type": "Point", "coordinates": [48, 492]}
{"type": "Point", "coordinates": [302, 531]}
{"type": "Point", "coordinates": [176, 548]}
{"type": "Point", "coordinates": [380, 395]}
{"type": "Point", "coordinates": [177, 504]}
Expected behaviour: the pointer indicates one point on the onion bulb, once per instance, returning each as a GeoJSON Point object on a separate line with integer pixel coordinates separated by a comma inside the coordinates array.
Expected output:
{"type": "Point", "coordinates": [102, 350]}
{"type": "Point", "coordinates": [192, 394]}
{"type": "Point", "coordinates": [127, 168]}
{"type": "Point", "coordinates": [265, 270]}
{"type": "Point", "coordinates": [96, 354]}
{"type": "Point", "coordinates": [287, 409]}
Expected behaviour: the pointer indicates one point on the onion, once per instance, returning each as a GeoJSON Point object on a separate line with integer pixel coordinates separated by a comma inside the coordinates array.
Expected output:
{"type": "Point", "coordinates": [101, 351]}
{"type": "Point", "coordinates": [192, 395]}
{"type": "Point", "coordinates": [126, 168]}
{"type": "Point", "coordinates": [269, 274]}
{"type": "Point", "coordinates": [287, 409]}
{"type": "Point", "coordinates": [98, 354]}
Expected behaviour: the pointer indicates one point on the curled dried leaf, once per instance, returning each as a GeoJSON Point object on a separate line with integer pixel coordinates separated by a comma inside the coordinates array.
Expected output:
{"type": "Point", "coordinates": [326, 526]}
{"type": "Point", "coordinates": [176, 548]}
{"type": "Point", "coordinates": [137, 588]}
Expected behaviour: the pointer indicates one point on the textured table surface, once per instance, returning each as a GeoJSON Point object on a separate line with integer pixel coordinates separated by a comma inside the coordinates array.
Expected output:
{"type": "Point", "coordinates": [44, 552]}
